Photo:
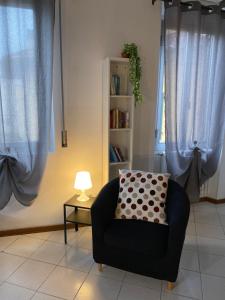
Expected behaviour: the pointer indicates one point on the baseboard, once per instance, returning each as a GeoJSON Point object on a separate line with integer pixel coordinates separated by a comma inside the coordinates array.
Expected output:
{"type": "Point", "coordinates": [34, 229]}
{"type": "Point", "coordinates": [212, 200]}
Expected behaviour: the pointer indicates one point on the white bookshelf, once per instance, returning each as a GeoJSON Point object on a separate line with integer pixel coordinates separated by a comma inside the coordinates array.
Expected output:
{"type": "Point", "coordinates": [119, 137]}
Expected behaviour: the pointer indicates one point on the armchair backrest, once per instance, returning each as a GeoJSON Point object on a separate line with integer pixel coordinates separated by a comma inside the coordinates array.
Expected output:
{"type": "Point", "coordinates": [177, 205]}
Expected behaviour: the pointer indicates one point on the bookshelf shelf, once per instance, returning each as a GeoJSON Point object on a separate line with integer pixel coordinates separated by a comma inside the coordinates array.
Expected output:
{"type": "Point", "coordinates": [119, 60]}
{"type": "Point", "coordinates": [119, 163]}
{"type": "Point", "coordinates": [120, 129]}
{"type": "Point", "coordinates": [118, 111]}
{"type": "Point", "coordinates": [120, 96]}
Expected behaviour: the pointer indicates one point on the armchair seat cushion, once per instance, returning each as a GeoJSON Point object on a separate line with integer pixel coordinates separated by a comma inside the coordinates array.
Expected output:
{"type": "Point", "coordinates": [138, 236]}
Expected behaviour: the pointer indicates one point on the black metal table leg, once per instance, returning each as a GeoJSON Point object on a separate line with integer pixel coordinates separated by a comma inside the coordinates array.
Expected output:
{"type": "Point", "coordinates": [65, 228]}
{"type": "Point", "coordinates": [76, 224]}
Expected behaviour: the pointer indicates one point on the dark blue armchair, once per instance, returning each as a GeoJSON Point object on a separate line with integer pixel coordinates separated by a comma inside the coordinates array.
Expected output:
{"type": "Point", "coordinates": [138, 246]}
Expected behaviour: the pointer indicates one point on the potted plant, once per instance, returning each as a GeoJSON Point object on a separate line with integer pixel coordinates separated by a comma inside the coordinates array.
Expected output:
{"type": "Point", "coordinates": [131, 51]}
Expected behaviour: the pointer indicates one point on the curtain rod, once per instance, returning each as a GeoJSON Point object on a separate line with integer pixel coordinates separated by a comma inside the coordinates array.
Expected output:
{"type": "Point", "coordinates": [208, 7]}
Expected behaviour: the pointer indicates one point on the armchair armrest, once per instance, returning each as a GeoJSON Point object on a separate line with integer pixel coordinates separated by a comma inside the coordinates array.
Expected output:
{"type": "Point", "coordinates": [103, 209]}
{"type": "Point", "coordinates": [177, 210]}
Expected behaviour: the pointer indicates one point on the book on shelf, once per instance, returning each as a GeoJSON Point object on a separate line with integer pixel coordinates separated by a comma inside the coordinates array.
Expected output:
{"type": "Point", "coordinates": [116, 154]}
{"type": "Point", "coordinates": [120, 154]}
{"type": "Point", "coordinates": [113, 157]}
{"type": "Point", "coordinates": [127, 119]}
{"type": "Point", "coordinates": [112, 87]}
{"type": "Point", "coordinates": [115, 85]}
{"type": "Point", "coordinates": [119, 119]}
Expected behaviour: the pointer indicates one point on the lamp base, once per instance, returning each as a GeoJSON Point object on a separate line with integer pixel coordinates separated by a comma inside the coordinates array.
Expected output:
{"type": "Point", "coordinates": [83, 197]}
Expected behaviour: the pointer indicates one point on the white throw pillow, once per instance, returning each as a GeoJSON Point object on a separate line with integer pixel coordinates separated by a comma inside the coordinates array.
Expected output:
{"type": "Point", "coordinates": [142, 196]}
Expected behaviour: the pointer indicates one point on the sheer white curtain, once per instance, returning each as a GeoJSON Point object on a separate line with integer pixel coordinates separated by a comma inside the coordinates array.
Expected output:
{"type": "Point", "coordinates": [26, 54]}
{"type": "Point", "coordinates": [195, 91]}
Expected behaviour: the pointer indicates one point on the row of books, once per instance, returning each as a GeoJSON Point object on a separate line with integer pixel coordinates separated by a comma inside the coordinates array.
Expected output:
{"type": "Point", "coordinates": [116, 154]}
{"type": "Point", "coordinates": [119, 119]}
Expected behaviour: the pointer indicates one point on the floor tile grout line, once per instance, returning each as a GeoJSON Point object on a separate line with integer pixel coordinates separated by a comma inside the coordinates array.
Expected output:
{"type": "Point", "coordinates": [49, 276]}
{"type": "Point", "coordinates": [21, 286]}
{"type": "Point", "coordinates": [198, 255]}
{"type": "Point", "coordinates": [14, 254]}
{"type": "Point", "coordinates": [161, 291]}
{"type": "Point", "coordinates": [182, 295]}
{"type": "Point", "coordinates": [10, 243]}
{"type": "Point", "coordinates": [212, 225]}
{"type": "Point", "coordinates": [212, 275]}
{"type": "Point", "coordinates": [195, 223]}
{"type": "Point", "coordinates": [83, 282]}
{"type": "Point", "coordinates": [206, 237]}
{"type": "Point", "coordinates": [57, 298]}
{"type": "Point", "coordinates": [221, 222]}
{"type": "Point", "coordinates": [37, 292]}
{"type": "Point", "coordinates": [30, 254]}
{"type": "Point", "coordinates": [72, 268]}
{"type": "Point", "coordinates": [43, 261]}
{"type": "Point", "coordinates": [208, 253]}
{"type": "Point", "coordinates": [35, 260]}
{"type": "Point", "coordinates": [46, 278]}
{"type": "Point", "coordinates": [6, 279]}
{"type": "Point", "coordinates": [29, 259]}
{"type": "Point", "coordinates": [68, 241]}
{"type": "Point", "coordinates": [80, 286]}
{"type": "Point", "coordinates": [32, 237]}
{"type": "Point", "coordinates": [121, 285]}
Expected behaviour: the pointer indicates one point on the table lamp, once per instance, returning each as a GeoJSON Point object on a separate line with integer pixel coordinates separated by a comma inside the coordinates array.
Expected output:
{"type": "Point", "coordinates": [83, 182]}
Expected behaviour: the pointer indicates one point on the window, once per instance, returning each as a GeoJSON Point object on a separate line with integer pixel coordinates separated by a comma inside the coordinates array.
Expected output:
{"type": "Point", "coordinates": [160, 118]}
{"type": "Point", "coordinates": [17, 61]}
{"type": "Point", "coordinates": [206, 40]}
{"type": "Point", "coordinates": [20, 71]}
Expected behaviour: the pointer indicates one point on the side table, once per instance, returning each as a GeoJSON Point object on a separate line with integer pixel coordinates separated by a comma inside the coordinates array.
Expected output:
{"type": "Point", "coordinates": [80, 215]}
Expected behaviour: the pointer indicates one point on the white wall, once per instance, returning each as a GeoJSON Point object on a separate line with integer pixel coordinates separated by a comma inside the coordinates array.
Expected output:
{"type": "Point", "coordinates": [93, 30]}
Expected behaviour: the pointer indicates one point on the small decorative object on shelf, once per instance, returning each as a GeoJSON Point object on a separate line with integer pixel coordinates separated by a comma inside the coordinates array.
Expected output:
{"type": "Point", "coordinates": [83, 182]}
{"type": "Point", "coordinates": [131, 51]}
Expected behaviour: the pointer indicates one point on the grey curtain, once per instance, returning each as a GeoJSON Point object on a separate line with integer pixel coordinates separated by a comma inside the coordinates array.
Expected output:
{"type": "Point", "coordinates": [26, 55]}
{"type": "Point", "coordinates": [195, 91]}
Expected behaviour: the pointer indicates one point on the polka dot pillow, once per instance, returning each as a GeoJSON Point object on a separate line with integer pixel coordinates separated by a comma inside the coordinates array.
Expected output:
{"type": "Point", "coordinates": [142, 196]}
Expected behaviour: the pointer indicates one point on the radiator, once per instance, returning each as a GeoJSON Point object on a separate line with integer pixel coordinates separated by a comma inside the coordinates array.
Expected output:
{"type": "Point", "coordinates": [204, 190]}
{"type": "Point", "coordinates": [160, 163]}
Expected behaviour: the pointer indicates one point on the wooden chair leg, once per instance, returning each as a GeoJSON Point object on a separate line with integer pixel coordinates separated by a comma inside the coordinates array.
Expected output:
{"type": "Point", "coordinates": [170, 285]}
{"type": "Point", "coordinates": [100, 267]}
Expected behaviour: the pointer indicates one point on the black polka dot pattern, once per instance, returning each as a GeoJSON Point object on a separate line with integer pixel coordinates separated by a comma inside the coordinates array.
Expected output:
{"type": "Point", "coordinates": [142, 196]}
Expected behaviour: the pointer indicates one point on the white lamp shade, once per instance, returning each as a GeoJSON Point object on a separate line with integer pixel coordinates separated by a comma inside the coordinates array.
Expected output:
{"type": "Point", "coordinates": [83, 181]}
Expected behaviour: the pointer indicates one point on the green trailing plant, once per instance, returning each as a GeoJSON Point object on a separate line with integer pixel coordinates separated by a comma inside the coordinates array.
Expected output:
{"type": "Point", "coordinates": [131, 51]}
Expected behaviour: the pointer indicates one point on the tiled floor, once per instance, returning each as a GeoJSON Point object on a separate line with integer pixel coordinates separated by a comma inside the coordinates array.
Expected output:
{"type": "Point", "coordinates": [40, 267]}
